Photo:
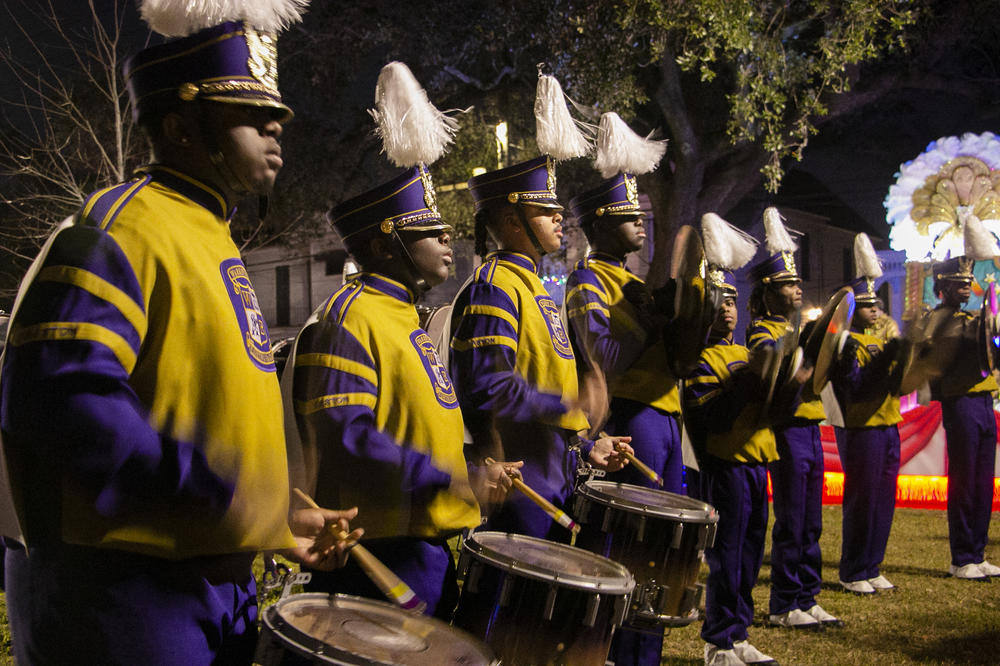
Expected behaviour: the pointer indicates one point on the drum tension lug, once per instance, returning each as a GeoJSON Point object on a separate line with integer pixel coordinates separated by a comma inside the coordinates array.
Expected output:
{"type": "Point", "coordinates": [550, 604]}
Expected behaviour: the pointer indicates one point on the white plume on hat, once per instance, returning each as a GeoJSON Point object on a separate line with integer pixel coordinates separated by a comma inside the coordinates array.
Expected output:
{"type": "Point", "coordinates": [556, 133]}
{"type": "Point", "coordinates": [866, 261]}
{"type": "Point", "coordinates": [619, 149]}
{"type": "Point", "coordinates": [411, 128]}
{"type": "Point", "coordinates": [726, 247]}
{"type": "Point", "coordinates": [980, 243]}
{"type": "Point", "coordinates": [777, 238]}
{"type": "Point", "coordinates": [180, 18]}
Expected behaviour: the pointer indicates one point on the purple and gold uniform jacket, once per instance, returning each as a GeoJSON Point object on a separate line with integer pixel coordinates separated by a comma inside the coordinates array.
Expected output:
{"type": "Point", "coordinates": [765, 332]}
{"type": "Point", "coordinates": [513, 363]}
{"type": "Point", "coordinates": [604, 324]}
{"type": "Point", "coordinates": [722, 403]}
{"type": "Point", "coordinates": [862, 385]}
{"type": "Point", "coordinates": [372, 397]}
{"type": "Point", "coordinates": [964, 376]}
{"type": "Point", "coordinates": [140, 408]}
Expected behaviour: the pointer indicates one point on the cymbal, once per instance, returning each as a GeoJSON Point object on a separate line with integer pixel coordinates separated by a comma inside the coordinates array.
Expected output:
{"type": "Point", "coordinates": [935, 339]}
{"type": "Point", "coordinates": [814, 341]}
{"type": "Point", "coordinates": [988, 334]}
{"type": "Point", "coordinates": [695, 303]}
{"type": "Point", "coordinates": [831, 336]}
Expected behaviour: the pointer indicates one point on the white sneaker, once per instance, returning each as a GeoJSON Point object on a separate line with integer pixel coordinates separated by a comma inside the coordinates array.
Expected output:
{"type": "Point", "coordinates": [858, 587]}
{"type": "Point", "coordinates": [751, 655]}
{"type": "Point", "coordinates": [967, 572]}
{"type": "Point", "coordinates": [716, 656]}
{"type": "Point", "coordinates": [881, 583]}
{"type": "Point", "coordinates": [988, 569]}
{"type": "Point", "coordinates": [794, 619]}
{"type": "Point", "coordinates": [825, 618]}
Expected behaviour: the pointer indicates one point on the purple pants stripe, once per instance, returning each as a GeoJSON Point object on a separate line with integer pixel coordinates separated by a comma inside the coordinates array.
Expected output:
{"type": "Point", "coordinates": [971, 435]}
{"type": "Point", "coordinates": [797, 482]}
{"type": "Point", "coordinates": [870, 458]}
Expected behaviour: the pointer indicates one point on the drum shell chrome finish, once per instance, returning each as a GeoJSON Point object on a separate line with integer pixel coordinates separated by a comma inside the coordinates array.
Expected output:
{"type": "Point", "coordinates": [317, 628]}
{"type": "Point", "coordinates": [533, 612]}
{"type": "Point", "coordinates": [659, 536]}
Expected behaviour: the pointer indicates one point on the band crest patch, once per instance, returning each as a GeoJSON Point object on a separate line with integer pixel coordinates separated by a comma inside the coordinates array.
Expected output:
{"type": "Point", "coordinates": [444, 390]}
{"type": "Point", "coordinates": [557, 332]}
{"type": "Point", "coordinates": [256, 339]}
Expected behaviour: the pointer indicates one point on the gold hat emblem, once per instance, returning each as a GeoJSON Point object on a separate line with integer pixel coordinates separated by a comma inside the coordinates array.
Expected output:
{"type": "Point", "coordinates": [631, 189]}
{"type": "Point", "coordinates": [263, 60]}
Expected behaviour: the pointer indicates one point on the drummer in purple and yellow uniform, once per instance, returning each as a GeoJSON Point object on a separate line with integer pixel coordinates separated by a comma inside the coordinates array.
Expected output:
{"type": "Point", "coordinates": [512, 361]}
{"type": "Point", "coordinates": [797, 475]}
{"type": "Point", "coordinates": [612, 323]}
{"type": "Point", "coordinates": [969, 426]}
{"type": "Point", "coordinates": [722, 405]}
{"type": "Point", "coordinates": [375, 403]}
{"type": "Point", "coordinates": [140, 411]}
{"type": "Point", "coordinates": [865, 380]}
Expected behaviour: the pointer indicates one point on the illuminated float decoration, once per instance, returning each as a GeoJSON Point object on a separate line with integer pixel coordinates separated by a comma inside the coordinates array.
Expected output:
{"type": "Point", "coordinates": [926, 208]}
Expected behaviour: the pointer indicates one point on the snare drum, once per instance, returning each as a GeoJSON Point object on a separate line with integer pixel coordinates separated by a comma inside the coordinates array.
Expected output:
{"type": "Point", "coordinates": [319, 628]}
{"type": "Point", "coordinates": [540, 603]}
{"type": "Point", "coordinates": [660, 536]}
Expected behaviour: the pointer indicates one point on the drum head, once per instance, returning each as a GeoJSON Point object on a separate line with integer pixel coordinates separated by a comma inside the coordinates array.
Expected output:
{"type": "Point", "coordinates": [556, 563]}
{"type": "Point", "coordinates": [340, 629]}
{"type": "Point", "coordinates": [649, 501]}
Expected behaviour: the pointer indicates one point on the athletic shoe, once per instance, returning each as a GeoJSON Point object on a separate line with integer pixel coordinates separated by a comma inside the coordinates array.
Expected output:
{"type": "Point", "coordinates": [967, 572]}
{"type": "Point", "coordinates": [989, 569]}
{"type": "Point", "coordinates": [881, 583]}
{"type": "Point", "coordinates": [794, 619]}
{"type": "Point", "coordinates": [858, 587]}
{"type": "Point", "coordinates": [716, 656]}
{"type": "Point", "coordinates": [825, 618]}
{"type": "Point", "coordinates": [751, 655]}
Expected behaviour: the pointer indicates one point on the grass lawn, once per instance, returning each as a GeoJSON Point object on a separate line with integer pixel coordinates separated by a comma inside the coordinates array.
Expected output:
{"type": "Point", "coordinates": [929, 619]}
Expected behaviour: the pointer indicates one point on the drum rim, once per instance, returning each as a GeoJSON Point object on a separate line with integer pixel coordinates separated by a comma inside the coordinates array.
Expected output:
{"type": "Point", "coordinates": [592, 489]}
{"type": "Point", "coordinates": [272, 616]}
{"type": "Point", "coordinates": [603, 584]}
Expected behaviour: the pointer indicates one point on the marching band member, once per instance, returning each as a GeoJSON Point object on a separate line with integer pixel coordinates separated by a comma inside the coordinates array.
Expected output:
{"type": "Point", "coordinates": [865, 381]}
{"type": "Point", "coordinates": [370, 394]}
{"type": "Point", "coordinates": [797, 474]}
{"type": "Point", "coordinates": [967, 414]}
{"type": "Point", "coordinates": [511, 358]}
{"type": "Point", "coordinates": [722, 405]}
{"type": "Point", "coordinates": [140, 411]}
{"type": "Point", "coordinates": [612, 325]}
{"type": "Point", "coordinates": [610, 310]}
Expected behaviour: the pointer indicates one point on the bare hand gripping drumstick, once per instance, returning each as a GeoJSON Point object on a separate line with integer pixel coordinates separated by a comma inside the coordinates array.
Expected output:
{"type": "Point", "coordinates": [389, 583]}
{"type": "Point", "coordinates": [548, 507]}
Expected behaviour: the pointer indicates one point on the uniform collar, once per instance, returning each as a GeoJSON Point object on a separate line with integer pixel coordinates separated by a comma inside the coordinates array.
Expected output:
{"type": "Point", "coordinates": [719, 341]}
{"type": "Point", "coordinates": [201, 193]}
{"type": "Point", "coordinates": [517, 258]}
{"type": "Point", "coordinates": [388, 286]}
{"type": "Point", "coordinates": [606, 258]}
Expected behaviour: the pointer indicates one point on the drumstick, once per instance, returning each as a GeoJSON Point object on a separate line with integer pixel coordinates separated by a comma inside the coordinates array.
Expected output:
{"type": "Point", "coordinates": [389, 583]}
{"type": "Point", "coordinates": [548, 507]}
{"type": "Point", "coordinates": [639, 465]}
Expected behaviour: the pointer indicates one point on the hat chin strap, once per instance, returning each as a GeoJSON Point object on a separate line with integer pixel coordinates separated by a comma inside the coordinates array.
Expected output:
{"type": "Point", "coordinates": [229, 178]}
{"type": "Point", "coordinates": [411, 266]}
{"type": "Point", "coordinates": [529, 231]}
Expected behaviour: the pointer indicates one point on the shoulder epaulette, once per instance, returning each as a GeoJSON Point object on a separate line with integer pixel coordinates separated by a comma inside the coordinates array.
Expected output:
{"type": "Point", "coordinates": [103, 206]}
